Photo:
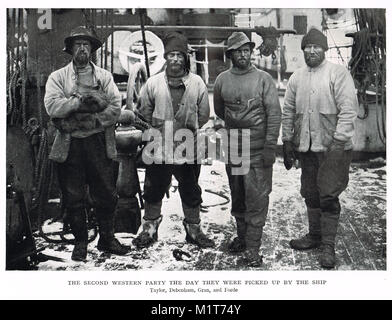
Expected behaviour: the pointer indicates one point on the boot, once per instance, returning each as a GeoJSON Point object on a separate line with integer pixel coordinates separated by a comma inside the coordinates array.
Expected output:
{"type": "Point", "coordinates": [77, 219]}
{"type": "Point", "coordinates": [329, 227]}
{"type": "Point", "coordinates": [238, 244]}
{"type": "Point", "coordinates": [327, 257]}
{"type": "Point", "coordinates": [107, 241]}
{"type": "Point", "coordinates": [195, 235]}
{"type": "Point", "coordinates": [313, 238]}
{"type": "Point", "coordinates": [252, 258]}
{"type": "Point", "coordinates": [112, 245]}
{"type": "Point", "coordinates": [79, 252]}
{"type": "Point", "coordinates": [149, 234]}
{"type": "Point", "coordinates": [253, 241]}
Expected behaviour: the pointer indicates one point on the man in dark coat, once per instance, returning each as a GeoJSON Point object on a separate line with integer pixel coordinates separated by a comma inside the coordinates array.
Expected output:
{"type": "Point", "coordinates": [247, 99]}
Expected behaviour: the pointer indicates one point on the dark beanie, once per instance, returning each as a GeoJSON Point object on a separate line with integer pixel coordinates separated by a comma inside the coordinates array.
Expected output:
{"type": "Point", "coordinates": [315, 36]}
{"type": "Point", "coordinates": [175, 41]}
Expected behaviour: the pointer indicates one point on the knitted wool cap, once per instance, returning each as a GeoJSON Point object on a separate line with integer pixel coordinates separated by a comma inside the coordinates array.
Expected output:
{"type": "Point", "coordinates": [315, 36]}
{"type": "Point", "coordinates": [175, 41]}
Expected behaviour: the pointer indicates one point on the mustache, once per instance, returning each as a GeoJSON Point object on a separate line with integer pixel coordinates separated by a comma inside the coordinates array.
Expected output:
{"type": "Point", "coordinates": [314, 54]}
{"type": "Point", "coordinates": [81, 51]}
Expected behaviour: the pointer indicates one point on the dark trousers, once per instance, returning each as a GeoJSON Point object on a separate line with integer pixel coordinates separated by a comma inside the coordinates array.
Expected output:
{"type": "Point", "coordinates": [250, 194]}
{"type": "Point", "coordinates": [324, 177]}
{"type": "Point", "coordinates": [88, 165]}
{"type": "Point", "coordinates": [157, 180]}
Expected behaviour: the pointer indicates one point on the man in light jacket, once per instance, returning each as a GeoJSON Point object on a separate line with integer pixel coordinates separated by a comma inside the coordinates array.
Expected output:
{"type": "Point", "coordinates": [171, 101]}
{"type": "Point", "coordinates": [320, 108]}
{"type": "Point", "coordinates": [84, 103]}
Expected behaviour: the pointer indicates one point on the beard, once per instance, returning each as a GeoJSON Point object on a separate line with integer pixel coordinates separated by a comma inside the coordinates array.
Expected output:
{"type": "Point", "coordinates": [175, 68]}
{"type": "Point", "coordinates": [314, 59]}
{"type": "Point", "coordinates": [81, 57]}
{"type": "Point", "coordinates": [241, 63]}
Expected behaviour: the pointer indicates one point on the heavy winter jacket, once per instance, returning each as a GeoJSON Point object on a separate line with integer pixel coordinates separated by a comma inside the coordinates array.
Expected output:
{"type": "Point", "coordinates": [156, 107]}
{"type": "Point", "coordinates": [59, 103]}
{"type": "Point", "coordinates": [249, 100]}
{"type": "Point", "coordinates": [320, 105]}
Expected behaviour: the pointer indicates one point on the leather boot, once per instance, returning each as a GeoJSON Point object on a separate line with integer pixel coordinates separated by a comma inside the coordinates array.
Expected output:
{"type": "Point", "coordinates": [313, 238]}
{"type": "Point", "coordinates": [238, 244]}
{"type": "Point", "coordinates": [195, 235]}
{"type": "Point", "coordinates": [252, 257]}
{"type": "Point", "coordinates": [107, 241]}
{"type": "Point", "coordinates": [149, 233]}
{"type": "Point", "coordinates": [78, 223]}
{"type": "Point", "coordinates": [329, 227]}
{"type": "Point", "coordinates": [253, 237]}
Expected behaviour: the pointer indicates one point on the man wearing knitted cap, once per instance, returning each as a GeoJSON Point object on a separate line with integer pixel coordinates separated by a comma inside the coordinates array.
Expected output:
{"type": "Point", "coordinates": [247, 98]}
{"type": "Point", "coordinates": [84, 103]}
{"type": "Point", "coordinates": [320, 108]}
{"type": "Point", "coordinates": [172, 100]}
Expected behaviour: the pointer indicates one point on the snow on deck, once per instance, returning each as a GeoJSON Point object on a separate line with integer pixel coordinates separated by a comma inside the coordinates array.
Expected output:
{"type": "Point", "coordinates": [361, 240]}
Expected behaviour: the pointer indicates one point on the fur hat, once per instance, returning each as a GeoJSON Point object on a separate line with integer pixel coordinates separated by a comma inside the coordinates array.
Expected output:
{"type": "Point", "coordinates": [315, 36]}
{"type": "Point", "coordinates": [237, 40]}
{"type": "Point", "coordinates": [82, 33]}
{"type": "Point", "coordinates": [175, 41]}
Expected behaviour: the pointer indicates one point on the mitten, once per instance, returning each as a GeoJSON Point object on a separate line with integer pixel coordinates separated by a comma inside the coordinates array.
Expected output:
{"type": "Point", "coordinates": [288, 154]}
{"type": "Point", "coordinates": [268, 154]}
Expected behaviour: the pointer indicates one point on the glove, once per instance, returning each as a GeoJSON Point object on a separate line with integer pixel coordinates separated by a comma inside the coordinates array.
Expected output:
{"type": "Point", "coordinates": [336, 145]}
{"type": "Point", "coordinates": [288, 154]}
{"type": "Point", "coordinates": [93, 102]}
{"type": "Point", "coordinates": [268, 157]}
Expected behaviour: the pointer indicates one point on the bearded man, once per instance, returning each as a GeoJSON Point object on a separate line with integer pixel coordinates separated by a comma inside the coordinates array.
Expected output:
{"type": "Point", "coordinates": [173, 100]}
{"type": "Point", "coordinates": [247, 98]}
{"type": "Point", "coordinates": [84, 103]}
{"type": "Point", "coordinates": [320, 108]}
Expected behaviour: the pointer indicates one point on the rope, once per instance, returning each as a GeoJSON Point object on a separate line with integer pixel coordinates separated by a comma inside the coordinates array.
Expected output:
{"type": "Point", "coordinates": [40, 169]}
{"type": "Point", "coordinates": [220, 194]}
{"type": "Point", "coordinates": [140, 124]}
{"type": "Point", "coordinates": [14, 107]}
{"type": "Point", "coordinates": [336, 46]}
{"type": "Point", "coordinates": [40, 117]}
{"type": "Point", "coordinates": [368, 61]}
{"type": "Point", "coordinates": [10, 96]}
{"type": "Point", "coordinates": [23, 75]}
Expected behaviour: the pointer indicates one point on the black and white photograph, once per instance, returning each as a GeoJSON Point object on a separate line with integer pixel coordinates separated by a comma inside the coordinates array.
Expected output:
{"type": "Point", "coordinates": [210, 152]}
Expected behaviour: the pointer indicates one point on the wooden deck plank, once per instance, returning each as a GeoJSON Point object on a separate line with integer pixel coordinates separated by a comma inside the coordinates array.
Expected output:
{"type": "Point", "coordinates": [360, 243]}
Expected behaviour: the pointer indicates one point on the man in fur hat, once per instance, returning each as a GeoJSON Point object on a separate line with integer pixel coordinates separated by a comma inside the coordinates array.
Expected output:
{"type": "Point", "coordinates": [172, 100]}
{"type": "Point", "coordinates": [320, 108]}
{"type": "Point", "coordinates": [84, 103]}
{"type": "Point", "coordinates": [247, 98]}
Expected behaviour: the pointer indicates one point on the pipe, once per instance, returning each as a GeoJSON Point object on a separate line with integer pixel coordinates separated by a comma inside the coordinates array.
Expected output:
{"type": "Point", "coordinates": [112, 43]}
{"type": "Point", "coordinates": [196, 28]}
{"type": "Point", "coordinates": [106, 42]}
{"type": "Point", "coordinates": [141, 14]}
